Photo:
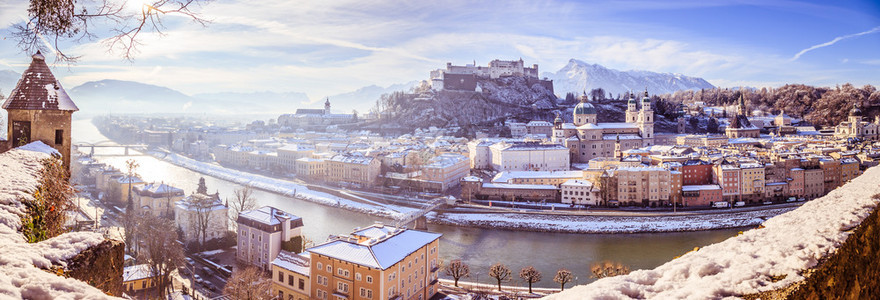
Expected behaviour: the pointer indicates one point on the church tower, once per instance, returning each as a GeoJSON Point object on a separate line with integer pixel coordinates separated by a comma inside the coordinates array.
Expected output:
{"type": "Point", "coordinates": [631, 112]}
{"type": "Point", "coordinates": [646, 121]}
{"type": "Point", "coordinates": [327, 106]}
{"type": "Point", "coordinates": [855, 120]}
{"type": "Point", "coordinates": [39, 109]}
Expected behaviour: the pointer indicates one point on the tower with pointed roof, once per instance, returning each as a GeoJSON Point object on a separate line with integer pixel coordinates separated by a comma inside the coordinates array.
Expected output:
{"type": "Point", "coordinates": [39, 109]}
{"type": "Point", "coordinates": [646, 121]}
{"type": "Point", "coordinates": [327, 106]}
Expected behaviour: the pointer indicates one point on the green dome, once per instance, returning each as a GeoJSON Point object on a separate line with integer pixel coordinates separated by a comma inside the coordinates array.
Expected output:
{"type": "Point", "coordinates": [632, 101]}
{"type": "Point", "coordinates": [584, 108]}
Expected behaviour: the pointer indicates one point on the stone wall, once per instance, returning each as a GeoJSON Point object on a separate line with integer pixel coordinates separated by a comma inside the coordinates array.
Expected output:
{"type": "Point", "coordinates": [100, 266]}
{"type": "Point", "coordinates": [853, 272]}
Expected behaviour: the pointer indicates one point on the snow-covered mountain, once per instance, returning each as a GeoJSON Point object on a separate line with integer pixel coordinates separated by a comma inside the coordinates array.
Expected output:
{"type": "Point", "coordinates": [8, 79]}
{"type": "Point", "coordinates": [118, 96]}
{"type": "Point", "coordinates": [578, 76]}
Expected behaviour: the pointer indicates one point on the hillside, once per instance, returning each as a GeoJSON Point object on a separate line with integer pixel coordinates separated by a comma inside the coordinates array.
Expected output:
{"type": "Point", "coordinates": [578, 76]}
{"type": "Point", "coordinates": [499, 99]}
{"type": "Point", "coordinates": [822, 106]}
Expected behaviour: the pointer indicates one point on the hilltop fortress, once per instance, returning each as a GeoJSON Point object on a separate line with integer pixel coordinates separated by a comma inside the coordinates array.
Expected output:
{"type": "Point", "coordinates": [465, 78]}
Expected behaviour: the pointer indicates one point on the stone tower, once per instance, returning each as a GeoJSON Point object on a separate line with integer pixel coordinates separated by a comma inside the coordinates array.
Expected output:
{"type": "Point", "coordinates": [631, 113]}
{"type": "Point", "coordinates": [40, 110]}
{"type": "Point", "coordinates": [646, 121]}
{"type": "Point", "coordinates": [327, 106]}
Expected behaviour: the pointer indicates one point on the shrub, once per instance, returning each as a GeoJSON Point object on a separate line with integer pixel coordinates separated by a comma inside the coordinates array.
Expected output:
{"type": "Point", "coordinates": [46, 213]}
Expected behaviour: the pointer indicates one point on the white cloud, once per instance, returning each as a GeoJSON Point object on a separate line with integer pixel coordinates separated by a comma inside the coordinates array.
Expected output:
{"type": "Point", "coordinates": [834, 41]}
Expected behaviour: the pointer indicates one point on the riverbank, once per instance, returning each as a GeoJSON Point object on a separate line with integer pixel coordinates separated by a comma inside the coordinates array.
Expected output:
{"type": "Point", "coordinates": [596, 222]}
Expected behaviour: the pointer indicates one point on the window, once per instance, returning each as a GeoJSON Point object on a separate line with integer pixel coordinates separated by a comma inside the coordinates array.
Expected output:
{"type": "Point", "coordinates": [320, 266]}
{"type": "Point", "coordinates": [342, 287]}
{"type": "Point", "coordinates": [280, 276]}
{"type": "Point", "coordinates": [280, 295]}
{"type": "Point", "coordinates": [302, 284]}
{"type": "Point", "coordinates": [289, 280]}
{"type": "Point", "coordinates": [339, 271]}
{"type": "Point", "coordinates": [59, 137]}
{"type": "Point", "coordinates": [357, 276]}
{"type": "Point", "coordinates": [369, 279]}
{"type": "Point", "coordinates": [329, 269]}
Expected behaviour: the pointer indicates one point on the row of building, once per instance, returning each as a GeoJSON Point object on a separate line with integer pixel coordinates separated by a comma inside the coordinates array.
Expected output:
{"type": "Point", "coordinates": [374, 262]}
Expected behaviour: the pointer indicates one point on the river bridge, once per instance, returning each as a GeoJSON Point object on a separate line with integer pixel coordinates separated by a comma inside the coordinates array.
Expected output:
{"type": "Point", "coordinates": [416, 219]}
{"type": "Point", "coordinates": [108, 144]}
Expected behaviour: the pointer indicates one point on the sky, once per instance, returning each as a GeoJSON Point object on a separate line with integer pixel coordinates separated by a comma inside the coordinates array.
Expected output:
{"type": "Point", "coordinates": [324, 48]}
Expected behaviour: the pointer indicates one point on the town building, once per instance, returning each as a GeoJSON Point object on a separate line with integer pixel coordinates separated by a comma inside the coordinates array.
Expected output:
{"type": "Point", "coordinates": [855, 128]}
{"type": "Point", "coordinates": [528, 156]}
{"type": "Point", "coordinates": [352, 169]}
{"type": "Point", "coordinates": [199, 214]}
{"type": "Point", "coordinates": [540, 128]}
{"type": "Point", "coordinates": [643, 185]}
{"type": "Point", "coordinates": [447, 169]}
{"type": "Point", "coordinates": [727, 176]}
{"type": "Point", "coordinates": [313, 117]}
{"type": "Point", "coordinates": [376, 262]}
{"type": "Point", "coordinates": [580, 192]}
{"type": "Point", "coordinates": [290, 276]}
{"type": "Point", "coordinates": [740, 126]}
{"type": "Point", "coordinates": [39, 109]}
{"type": "Point", "coordinates": [156, 198]}
{"type": "Point", "coordinates": [696, 172]}
{"type": "Point", "coordinates": [474, 188]}
{"type": "Point", "coordinates": [700, 195]}
{"type": "Point", "coordinates": [264, 232]}
{"type": "Point", "coordinates": [814, 183]}
{"type": "Point", "coordinates": [288, 154]}
{"type": "Point", "coordinates": [312, 169]}
{"type": "Point", "coordinates": [137, 279]}
{"type": "Point", "coordinates": [752, 182]}
{"type": "Point", "coordinates": [586, 138]}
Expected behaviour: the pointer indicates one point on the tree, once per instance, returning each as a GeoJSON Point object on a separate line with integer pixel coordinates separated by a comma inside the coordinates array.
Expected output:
{"type": "Point", "coordinates": [51, 23]}
{"type": "Point", "coordinates": [570, 98]}
{"type": "Point", "coordinates": [562, 277]}
{"type": "Point", "coordinates": [202, 206]}
{"type": "Point", "coordinates": [130, 222]}
{"type": "Point", "coordinates": [354, 115]}
{"type": "Point", "coordinates": [162, 253]}
{"type": "Point", "coordinates": [597, 94]}
{"type": "Point", "coordinates": [530, 274]}
{"type": "Point", "coordinates": [131, 166]}
{"type": "Point", "coordinates": [243, 200]}
{"type": "Point", "coordinates": [248, 284]}
{"type": "Point", "coordinates": [458, 269]}
{"type": "Point", "coordinates": [608, 269]}
{"type": "Point", "coordinates": [202, 189]}
{"type": "Point", "coordinates": [500, 272]}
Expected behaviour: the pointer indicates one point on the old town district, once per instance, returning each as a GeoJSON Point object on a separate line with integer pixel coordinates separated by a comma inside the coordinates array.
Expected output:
{"type": "Point", "coordinates": [582, 163]}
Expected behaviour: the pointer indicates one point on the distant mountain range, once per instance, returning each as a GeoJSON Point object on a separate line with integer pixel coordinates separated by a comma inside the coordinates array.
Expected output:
{"type": "Point", "coordinates": [578, 76]}
{"type": "Point", "coordinates": [134, 97]}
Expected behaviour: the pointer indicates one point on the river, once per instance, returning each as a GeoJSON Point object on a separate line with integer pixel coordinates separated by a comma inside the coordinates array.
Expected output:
{"type": "Point", "coordinates": [479, 248]}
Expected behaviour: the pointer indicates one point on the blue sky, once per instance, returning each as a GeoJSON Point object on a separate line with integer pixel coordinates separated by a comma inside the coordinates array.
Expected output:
{"type": "Point", "coordinates": [328, 48]}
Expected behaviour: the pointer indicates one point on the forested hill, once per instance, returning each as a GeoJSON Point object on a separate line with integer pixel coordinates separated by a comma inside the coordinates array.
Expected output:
{"type": "Point", "coordinates": [818, 105]}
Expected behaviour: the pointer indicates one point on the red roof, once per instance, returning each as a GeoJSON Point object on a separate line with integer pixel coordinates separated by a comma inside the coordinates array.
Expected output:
{"type": "Point", "coordinates": [39, 90]}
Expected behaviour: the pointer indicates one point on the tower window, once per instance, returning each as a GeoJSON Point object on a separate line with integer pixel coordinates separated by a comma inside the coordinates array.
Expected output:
{"type": "Point", "coordinates": [59, 137]}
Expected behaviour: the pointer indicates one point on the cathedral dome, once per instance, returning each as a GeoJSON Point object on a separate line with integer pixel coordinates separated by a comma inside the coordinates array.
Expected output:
{"type": "Point", "coordinates": [584, 108]}
{"type": "Point", "coordinates": [855, 111]}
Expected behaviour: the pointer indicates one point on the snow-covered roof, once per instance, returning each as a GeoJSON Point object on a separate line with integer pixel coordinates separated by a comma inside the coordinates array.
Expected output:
{"type": "Point", "coordinates": [539, 123]}
{"type": "Point", "coordinates": [136, 272]}
{"type": "Point", "coordinates": [507, 176]}
{"type": "Point", "coordinates": [156, 189]}
{"type": "Point", "coordinates": [381, 246]}
{"type": "Point", "coordinates": [471, 179]}
{"type": "Point", "coordinates": [575, 182]}
{"type": "Point", "coordinates": [618, 125]}
{"type": "Point", "coordinates": [39, 90]}
{"type": "Point", "coordinates": [612, 136]}
{"type": "Point", "coordinates": [690, 188]}
{"type": "Point", "coordinates": [293, 262]}
{"type": "Point", "coordinates": [588, 126]}
{"type": "Point", "coordinates": [267, 215]}
{"type": "Point", "coordinates": [519, 186]}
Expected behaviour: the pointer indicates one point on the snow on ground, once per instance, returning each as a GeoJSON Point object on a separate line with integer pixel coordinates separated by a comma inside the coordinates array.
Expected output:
{"type": "Point", "coordinates": [285, 187]}
{"type": "Point", "coordinates": [607, 223]}
{"type": "Point", "coordinates": [517, 221]}
{"type": "Point", "coordinates": [20, 262]}
{"type": "Point", "coordinates": [787, 245]}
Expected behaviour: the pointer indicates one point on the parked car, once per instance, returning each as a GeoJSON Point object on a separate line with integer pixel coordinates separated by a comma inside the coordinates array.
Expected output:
{"type": "Point", "coordinates": [197, 278]}
{"type": "Point", "coordinates": [740, 204]}
{"type": "Point", "coordinates": [720, 204]}
{"type": "Point", "coordinates": [768, 202]}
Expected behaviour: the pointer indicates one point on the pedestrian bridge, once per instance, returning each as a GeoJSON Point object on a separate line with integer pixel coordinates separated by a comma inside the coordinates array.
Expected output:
{"type": "Point", "coordinates": [108, 144]}
{"type": "Point", "coordinates": [416, 219]}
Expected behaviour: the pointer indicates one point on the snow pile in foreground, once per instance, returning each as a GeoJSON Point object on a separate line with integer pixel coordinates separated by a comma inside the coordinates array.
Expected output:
{"type": "Point", "coordinates": [20, 262]}
{"type": "Point", "coordinates": [789, 243]}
